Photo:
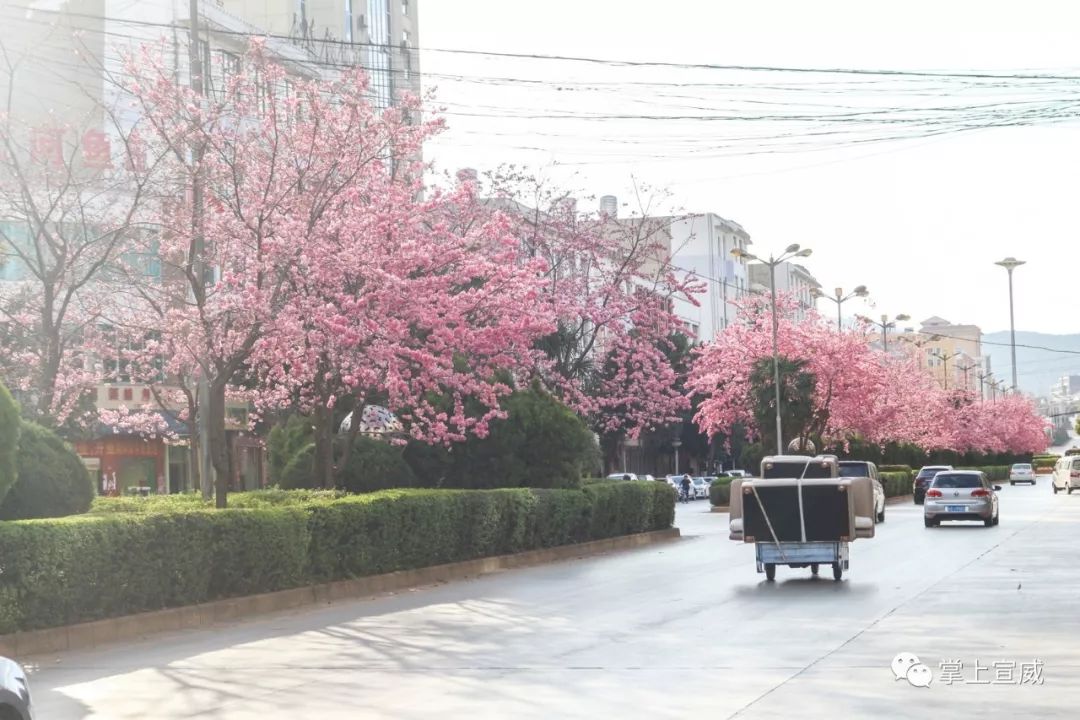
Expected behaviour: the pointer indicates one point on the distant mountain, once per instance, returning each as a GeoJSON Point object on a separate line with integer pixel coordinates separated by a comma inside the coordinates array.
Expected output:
{"type": "Point", "coordinates": [1038, 368]}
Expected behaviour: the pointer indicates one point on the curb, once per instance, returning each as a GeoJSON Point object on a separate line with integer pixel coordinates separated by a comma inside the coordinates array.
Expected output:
{"type": "Point", "coordinates": [897, 499]}
{"type": "Point", "coordinates": [89, 635]}
{"type": "Point", "coordinates": [720, 508]}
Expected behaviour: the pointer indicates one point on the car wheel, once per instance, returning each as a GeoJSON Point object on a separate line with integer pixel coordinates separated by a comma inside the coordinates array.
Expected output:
{"type": "Point", "coordinates": [1070, 490]}
{"type": "Point", "coordinates": [837, 571]}
{"type": "Point", "coordinates": [997, 519]}
{"type": "Point", "coordinates": [770, 571]}
{"type": "Point", "coordinates": [928, 522]}
{"type": "Point", "coordinates": [918, 501]}
{"type": "Point", "coordinates": [1055, 488]}
{"type": "Point", "coordinates": [881, 516]}
{"type": "Point", "coordinates": [814, 568]}
{"type": "Point", "coordinates": [1012, 483]}
{"type": "Point", "coordinates": [988, 522]}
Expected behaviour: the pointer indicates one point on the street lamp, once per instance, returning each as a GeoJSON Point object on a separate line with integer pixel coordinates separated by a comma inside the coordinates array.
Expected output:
{"type": "Point", "coordinates": [967, 374]}
{"type": "Point", "coordinates": [840, 299]}
{"type": "Point", "coordinates": [945, 361]}
{"type": "Point", "coordinates": [885, 324]}
{"type": "Point", "coordinates": [790, 251]}
{"type": "Point", "coordinates": [1010, 264]}
{"type": "Point", "coordinates": [676, 444]}
{"type": "Point", "coordinates": [920, 344]}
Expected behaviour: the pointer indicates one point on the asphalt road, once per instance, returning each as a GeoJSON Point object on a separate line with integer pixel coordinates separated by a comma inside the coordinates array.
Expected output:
{"type": "Point", "coordinates": [681, 630]}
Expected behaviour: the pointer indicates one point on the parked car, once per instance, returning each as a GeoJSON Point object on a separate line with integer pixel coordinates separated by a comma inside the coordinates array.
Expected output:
{"type": "Point", "coordinates": [701, 487]}
{"type": "Point", "coordinates": [923, 479]}
{"type": "Point", "coordinates": [961, 495]}
{"type": "Point", "coordinates": [865, 468]}
{"type": "Point", "coordinates": [737, 473]}
{"type": "Point", "coordinates": [623, 476]}
{"type": "Point", "coordinates": [15, 701]}
{"type": "Point", "coordinates": [1067, 474]}
{"type": "Point", "coordinates": [1021, 472]}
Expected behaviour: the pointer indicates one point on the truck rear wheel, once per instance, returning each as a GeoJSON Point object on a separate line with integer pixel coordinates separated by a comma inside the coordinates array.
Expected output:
{"type": "Point", "coordinates": [770, 571]}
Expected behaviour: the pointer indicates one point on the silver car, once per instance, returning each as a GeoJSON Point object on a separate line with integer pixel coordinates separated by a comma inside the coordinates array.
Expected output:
{"type": "Point", "coordinates": [961, 495]}
{"type": "Point", "coordinates": [15, 701]}
{"type": "Point", "coordinates": [1021, 472]}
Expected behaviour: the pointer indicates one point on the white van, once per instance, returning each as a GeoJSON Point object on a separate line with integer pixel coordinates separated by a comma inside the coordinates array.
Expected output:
{"type": "Point", "coordinates": [1067, 474]}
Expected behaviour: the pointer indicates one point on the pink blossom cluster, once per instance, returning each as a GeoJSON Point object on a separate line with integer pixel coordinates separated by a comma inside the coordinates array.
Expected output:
{"type": "Point", "coordinates": [860, 391]}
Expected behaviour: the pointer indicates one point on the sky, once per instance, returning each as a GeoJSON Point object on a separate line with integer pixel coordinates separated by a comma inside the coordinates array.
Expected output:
{"type": "Point", "coordinates": [919, 222]}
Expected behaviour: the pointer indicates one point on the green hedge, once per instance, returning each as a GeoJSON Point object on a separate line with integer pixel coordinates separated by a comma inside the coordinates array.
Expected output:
{"type": "Point", "coordinates": [10, 427]}
{"type": "Point", "coordinates": [52, 480]}
{"type": "Point", "coordinates": [1041, 462]}
{"type": "Point", "coordinates": [994, 473]}
{"type": "Point", "coordinates": [720, 492]}
{"type": "Point", "coordinates": [896, 484]}
{"type": "Point", "coordinates": [133, 555]}
{"type": "Point", "coordinates": [895, 468]}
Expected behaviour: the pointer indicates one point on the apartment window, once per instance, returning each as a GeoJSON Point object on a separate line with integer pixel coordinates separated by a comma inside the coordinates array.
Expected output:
{"type": "Point", "coordinates": [128, 394]}
{"type": "Point", "coordinates": [146, 394]}
{"type": "Point", "coordinates": [348, 21]}
{"type": "Point", "coordinates": [114, 394]}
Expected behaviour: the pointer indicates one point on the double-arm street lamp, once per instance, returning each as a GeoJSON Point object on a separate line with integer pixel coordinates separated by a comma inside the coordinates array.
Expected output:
{"type": "Point", "coordinates": [1010, 264]}
{"type": "Point", "coordinates": [840, 299]}
{"type": "Point", "coordinates": [792, 251]}
{"type": "Point", "coordinates": [967, 373]}
{"type": "Point", "coordinates": [885, 324]}
{"type": "Point", "coordinates": [945, 361]}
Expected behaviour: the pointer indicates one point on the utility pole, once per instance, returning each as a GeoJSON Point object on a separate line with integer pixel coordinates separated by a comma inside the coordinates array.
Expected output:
{"type": "Point", "coordinates": [206, 470]}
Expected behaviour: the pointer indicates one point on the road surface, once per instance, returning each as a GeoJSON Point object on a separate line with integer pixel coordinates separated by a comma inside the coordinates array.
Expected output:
{"type": "Point", "coordinates": [681, 630]}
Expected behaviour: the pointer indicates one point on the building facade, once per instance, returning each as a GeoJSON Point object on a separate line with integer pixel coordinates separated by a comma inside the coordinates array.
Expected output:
{"type": "Point", "coordinates": [953, 354]}
{"type": "Point", "coordinates": [792, 279]}
{"type": "Point", "coordinates": [58, 97]}
{"type": "Point", "coordinates": [701, 245]}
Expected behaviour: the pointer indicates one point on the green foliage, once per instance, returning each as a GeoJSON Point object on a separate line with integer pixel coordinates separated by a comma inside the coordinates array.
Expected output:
{"type": "Point", "coordinates": [10, 428]}
{"type": "Point", "coordinates": [52, 480]}
{"type": "Point", "coordinates": [896, 484]}
{"type": "Point", "coordinates": [751, 456]}
{"type": "Point", "coordinates": [1042, 462]}
{"type": "Point", "coordinates": [895, 468]}
{"type": "Point", "coordinates": [994, 473]}
{"type": "Point", "coordinates": [284, 442]}
{"type": "Point", "coordinates": [720, 492]}
{"type": "Point", "coordinates": [299, 472]}
{"type": "Point", "coordinates": [133, 555]}
{"type": "Point", "coordinates": [540, 444]}
{"type": "Point", "coordinates": [797, 388]}
{"type": "Point", "coordinates": [375, 465]}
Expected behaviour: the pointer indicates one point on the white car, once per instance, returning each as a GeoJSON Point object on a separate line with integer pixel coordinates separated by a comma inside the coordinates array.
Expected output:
{"type": "Point", "coordinates": [1021, 472]}
{"type": "Point", "coordinates": [700, 487]}
{"type": "Point", "coordinates": [623, 476]}
{"type": "Point", "coordinates": [863, 468]}
{"type": "Point", "coordinates": [1067, 474]}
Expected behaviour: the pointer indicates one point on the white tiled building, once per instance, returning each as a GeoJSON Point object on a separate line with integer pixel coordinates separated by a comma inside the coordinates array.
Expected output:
{"type": "Point", "coordinates": [791, 279]}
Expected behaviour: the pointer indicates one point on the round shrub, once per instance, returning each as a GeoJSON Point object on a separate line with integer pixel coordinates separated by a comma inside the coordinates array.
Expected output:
{"type": "Point", "coordinates": [298, 473]}
{"type": "Point", "coordinates": [375, 465]}
{"type": "Point", "coordinates": [52, 480]}
{"type": "Point", "coordinates": [9, 441]}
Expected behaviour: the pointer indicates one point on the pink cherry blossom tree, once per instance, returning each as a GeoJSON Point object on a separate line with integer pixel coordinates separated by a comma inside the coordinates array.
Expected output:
{"type": "Point", "coordinates": [611, 288]}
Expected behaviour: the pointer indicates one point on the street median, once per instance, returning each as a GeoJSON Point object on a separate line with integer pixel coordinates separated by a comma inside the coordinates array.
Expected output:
{"type": "Point", "coordinates": [89, 568]}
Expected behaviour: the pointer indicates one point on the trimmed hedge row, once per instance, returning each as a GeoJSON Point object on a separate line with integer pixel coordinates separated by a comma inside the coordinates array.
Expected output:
{"type": "Point", "coordinates": [994, 473]}
{"type": "Point", "coordinates": [131, 556]}
{"type": "Point", "coordinates": [896, 484]}
{"type": "Point", "coordinates": [720, 492]}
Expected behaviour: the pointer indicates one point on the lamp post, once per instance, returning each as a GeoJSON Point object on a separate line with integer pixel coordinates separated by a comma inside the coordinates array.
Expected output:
{"type": "Point", "coordinates": [676, 444]}
{"type": "Point", "coordinates": [920, 344]}
{"type": "Point", "coordinates": [967, 376]}
{"type": "Point", "coordinates": [840, 299]}
{"type": "Point", "coordinates": [982, 383]}
{"type": "Point", "coordinates": [945, 361]}
{"type": "Point", "coordinates": [791, 251]}
{"type": "Point", "coordinates": [885, 324]}
{"type": "Point", "coordinates": [1010, 264]}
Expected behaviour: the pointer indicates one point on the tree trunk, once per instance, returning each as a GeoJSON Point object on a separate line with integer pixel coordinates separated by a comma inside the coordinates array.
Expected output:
{"type": "Point", "coordinates": [219, 443]}
{"type": "Point", "coordinates": [323, 470]}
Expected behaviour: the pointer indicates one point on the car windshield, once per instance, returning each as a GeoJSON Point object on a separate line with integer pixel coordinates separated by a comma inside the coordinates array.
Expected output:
{"type": "Point", "coordinates": [947, 480]}
{"type": "Point", "coordinates": [930, 471]}
{"type": "Point", "coordinates": [853, 470]}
